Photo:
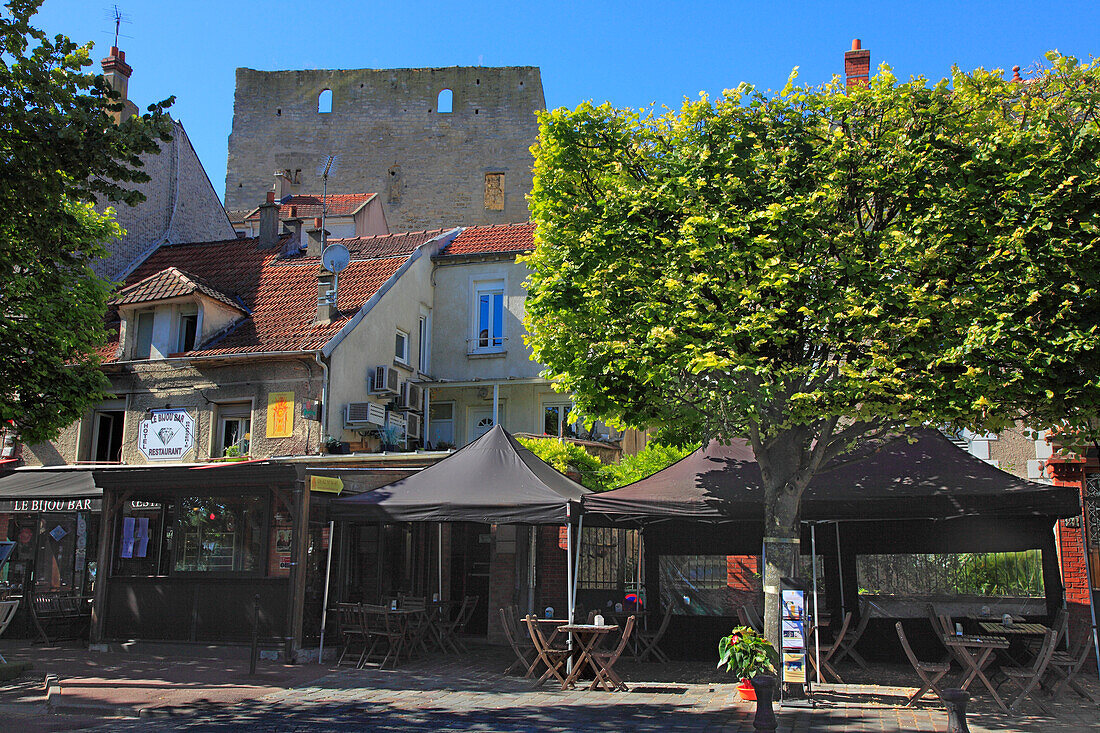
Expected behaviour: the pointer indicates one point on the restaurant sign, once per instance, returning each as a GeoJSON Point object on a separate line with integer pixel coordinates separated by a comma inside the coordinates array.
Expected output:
{"type": "Point", "coordinates": [51, 505]}
{"type": "Point", "coordinates": [168, 435]}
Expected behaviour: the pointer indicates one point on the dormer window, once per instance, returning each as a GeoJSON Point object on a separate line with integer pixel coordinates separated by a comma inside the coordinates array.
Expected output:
{"type": "Point", "coordinates": [143, 334]}
{"type": "Point", "coordinates": [188, 329]}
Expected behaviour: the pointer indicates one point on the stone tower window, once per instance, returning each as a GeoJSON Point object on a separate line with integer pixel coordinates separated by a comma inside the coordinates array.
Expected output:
{"type": "Point", "coordinates": [324, 101]}
{"type": "Point", "coordinates": [445, 102]}
{"type": "Point", "coordinates": [494, 192]}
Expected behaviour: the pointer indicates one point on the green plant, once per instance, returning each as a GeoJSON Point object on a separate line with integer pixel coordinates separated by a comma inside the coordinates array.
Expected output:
{"type": "Point", "coordinates": [566, 457]}
{"type": "Point", "coordinates": [747, 654]}
{"type": "Point", "coordinates": [332, 443]}
{"type": "Point", "coordinates": [646, 462]}
{"type": "Point", "coordinates": [390, 434]}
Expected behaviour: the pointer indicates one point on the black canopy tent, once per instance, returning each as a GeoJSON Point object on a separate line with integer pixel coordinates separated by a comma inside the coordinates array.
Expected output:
{"type": "Point", "coordinates": [492, 480]}
{"type": "Point", "coordinates": [917, 494]}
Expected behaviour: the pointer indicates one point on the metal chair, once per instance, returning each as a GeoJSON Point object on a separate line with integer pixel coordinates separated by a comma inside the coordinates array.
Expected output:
{"type": "Point", "coordinates": [929, 672]}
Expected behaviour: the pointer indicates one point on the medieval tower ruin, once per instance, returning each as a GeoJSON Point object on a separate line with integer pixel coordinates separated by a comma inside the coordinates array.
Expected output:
{"type": "Point", "coordinates": [442, 147]}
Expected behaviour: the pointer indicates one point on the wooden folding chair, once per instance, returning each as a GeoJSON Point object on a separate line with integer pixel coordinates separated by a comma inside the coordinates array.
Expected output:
{"type": "Point", "coordinates": [458, 623]}
{"type": "Point", "coordinates": [352, 631]}
{"type": "Point", "coordinates": [7, 613]}
{"type": "Point", "coordinates": [1066, 665]}
{"type": "Point", "coordinates": [1027, 678]}
{"type": "Point", "coordinates": [386, 628]}
{"type": "Point", "coordinates": [604, 661]}
{"type": "Point", "coordinates": [827, 650]}
{"type": "Point", "coordinates": [648, 641]}
{"type": "Point", "coordinates": [553, 657]}
{"type": "Point", "coordinates": [929, 672]}
{"type": "Point", "coordinates": [848, 645]}
{"type": "Point", "coordinates": [749, 616]}
{"type": "Point", "coordinates": [525, 653]}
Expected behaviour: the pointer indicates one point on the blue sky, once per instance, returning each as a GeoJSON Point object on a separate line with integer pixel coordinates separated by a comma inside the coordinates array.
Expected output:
{"type": "Point", "coordinates": [631, 54]}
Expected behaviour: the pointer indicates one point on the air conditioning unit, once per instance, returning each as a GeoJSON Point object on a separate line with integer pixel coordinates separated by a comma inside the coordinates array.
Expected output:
{"type": "Point", "coordinates": [385, 380]}
{"type": "Point", "coordinates": [359, 415]}
{"type": "Point", "coordinates": [412, 397]}
{"type": "Point", "coordinates": [412, 429]}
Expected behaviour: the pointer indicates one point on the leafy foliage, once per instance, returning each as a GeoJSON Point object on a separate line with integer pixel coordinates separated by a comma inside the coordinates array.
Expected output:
{"type": "Point", "coordinates": [567, 457]}
{"type": "Point", "coordinates": [58, 150]}
{"type": "Point", "coordinates": [747, 654]}
{"type": "Point", "coordinates": [646, 462]}
{"type": "Point", "coordinates": [815, 267]}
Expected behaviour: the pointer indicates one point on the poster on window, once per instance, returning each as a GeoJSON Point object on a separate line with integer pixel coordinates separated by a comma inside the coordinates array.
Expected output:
{"type": "Point", "coordinates": [167, 435]}
{"type": "Point", "coordinates": [280, 414]}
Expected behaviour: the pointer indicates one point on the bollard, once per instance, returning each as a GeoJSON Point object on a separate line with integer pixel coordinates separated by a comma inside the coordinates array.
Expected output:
{"type": "Point", "coordinates": [956, 701]}
{"type": "Point", "coordinates": [254, 652]}
{"type": "Point", "coordinates": [764, 685]}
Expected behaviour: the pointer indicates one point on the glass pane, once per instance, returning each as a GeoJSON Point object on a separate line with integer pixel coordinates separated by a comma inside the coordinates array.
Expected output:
{"type": "Point", "coordinates": [498, 319]}
{"type": "Point", "coordinates": [441, 411]}
{"type": "Point", "coordinates": [56, 551]}
{"type": "Point", "coordinates": [551, 420]}
{"type": "Point", "coordinates": [219, 534]}
{"type": "Point", "coordinates": [144, 336]}
{"type": "Point", "coordinates": [188, 325]}
{"type": "Point", "coordinates": [483, 320]}
{"type": "Point", "coordinates": [140, 539]}
{"type": "Point", "coordinates": [399, 352]}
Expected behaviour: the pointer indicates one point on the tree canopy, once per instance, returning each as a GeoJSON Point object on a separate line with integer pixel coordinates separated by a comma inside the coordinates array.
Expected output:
{"type": "Point", "coordinates": [60, 153]}
{"type": "Point", "coordinates": [814, 267]}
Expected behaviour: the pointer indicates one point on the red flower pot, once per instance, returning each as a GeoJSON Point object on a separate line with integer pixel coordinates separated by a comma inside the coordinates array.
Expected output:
{"type": "Point", "coordinates": [746, 691]}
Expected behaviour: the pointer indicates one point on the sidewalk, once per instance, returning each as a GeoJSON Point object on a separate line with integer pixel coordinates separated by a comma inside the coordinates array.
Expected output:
{"type": "Point", "coordinates": [93, 685]}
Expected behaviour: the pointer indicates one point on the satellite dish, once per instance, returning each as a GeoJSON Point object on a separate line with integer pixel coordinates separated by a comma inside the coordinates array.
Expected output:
{"type": "Point", "coordinates": [336, 257]}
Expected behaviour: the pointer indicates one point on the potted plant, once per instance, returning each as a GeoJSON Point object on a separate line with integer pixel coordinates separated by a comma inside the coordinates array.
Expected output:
{"type": "Point", "coordinates": [747, 654]}
{"type": "Point", "coordinates": [335, 446]}
{"type": "Point", "coordinates": [389, 435]}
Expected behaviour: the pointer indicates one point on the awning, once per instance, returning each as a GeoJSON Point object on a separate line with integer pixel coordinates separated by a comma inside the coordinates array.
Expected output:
{"type": "Point", "coordinates": [493, 480]}
{"type": "Point", "coordinates": [38, 490]}
{"type": "Point", "coordinates": [929, 478]}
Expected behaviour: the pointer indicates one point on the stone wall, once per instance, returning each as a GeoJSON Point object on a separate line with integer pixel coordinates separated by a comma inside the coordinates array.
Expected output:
{"type": "Point", "coordinates": [431, 169]}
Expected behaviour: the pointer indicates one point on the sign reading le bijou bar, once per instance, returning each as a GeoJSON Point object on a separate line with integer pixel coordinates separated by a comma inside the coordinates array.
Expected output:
{"type": "Point", "coordinates": [167, 435]}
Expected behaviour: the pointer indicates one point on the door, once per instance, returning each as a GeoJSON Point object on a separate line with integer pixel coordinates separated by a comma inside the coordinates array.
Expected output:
{"type": "Point", "coordinates": [481, 420]}
{"type": "Point", "coordinates": [470, 553]}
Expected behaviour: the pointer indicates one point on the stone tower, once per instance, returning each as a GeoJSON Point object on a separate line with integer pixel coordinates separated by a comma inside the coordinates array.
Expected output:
{"type": "Point", "coordinates": [442, 147]}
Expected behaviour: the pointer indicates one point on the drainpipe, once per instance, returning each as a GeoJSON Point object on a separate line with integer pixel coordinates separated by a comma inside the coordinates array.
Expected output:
{"type": "Point", "coordinates": [324, 400]}
{"type": "Point", "coordinates": [496, 402]}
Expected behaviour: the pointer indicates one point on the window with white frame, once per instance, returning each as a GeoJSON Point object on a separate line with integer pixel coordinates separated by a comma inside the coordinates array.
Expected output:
{"type": "Point", "coordinates": [188, 330]}
{"type": "Point", "coordinates": [234, 429]}
{"type": "Point", "coordinates": [555, 417]}
{"type": "Point", "coordinates": [489, 316]}
{"type": "Point", "coordinates": [401, 348]}
{"type": "Point", "coordinates": [143, 334]}
{"type": "Point", "coordinates": [441, 425]}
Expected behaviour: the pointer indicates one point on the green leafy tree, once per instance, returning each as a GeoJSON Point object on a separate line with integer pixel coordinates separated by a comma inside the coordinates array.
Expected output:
{"type": "Point", "coordinates": [569, 458]}
{"type": "Point", "coordinates": [812, 268]}
{"type": "Point", "coordinates": [60, 152]}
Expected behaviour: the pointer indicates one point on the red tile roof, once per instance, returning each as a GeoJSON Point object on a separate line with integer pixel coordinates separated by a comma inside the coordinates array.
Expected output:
{"type": "Point", "coordinates": [380, 245]}
{"type": "Point", "coordinates": [308, 206]}
{"type": "Point", "coordinates": [280, 293]}
{"type": "Point", "coordinates": [492, 239]}
{"type": "Point", "coordinates": [171, 283]}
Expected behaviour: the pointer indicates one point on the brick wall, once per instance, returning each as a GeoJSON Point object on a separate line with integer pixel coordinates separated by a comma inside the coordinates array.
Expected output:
{"type": "Point", "coordinates": [428, 167]}
{"type": "Point", "coordinates": [742, 572]}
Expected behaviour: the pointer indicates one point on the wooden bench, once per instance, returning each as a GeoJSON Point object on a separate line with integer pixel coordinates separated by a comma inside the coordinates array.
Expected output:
{"type": "Point", "coordinates": [55, 610]}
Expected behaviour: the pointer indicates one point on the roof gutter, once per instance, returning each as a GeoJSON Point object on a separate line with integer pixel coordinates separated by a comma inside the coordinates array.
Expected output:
{"type": "Point", "coordinates": [435, 244]}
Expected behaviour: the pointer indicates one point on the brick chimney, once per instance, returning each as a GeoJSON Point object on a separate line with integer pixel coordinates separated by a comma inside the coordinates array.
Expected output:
{"type": "Point", "coordinates": [857, 65]}
{"type": "Point", "coordinates": [117, 73]}
{"type": "Point", "coordinates": [326, 309]}
{"type": "Point", "coordinates": [269, 223]}
{"type": "Point", "coordinates": [284, 185]}
{"type": "Point", "coordinates": [295, 229]}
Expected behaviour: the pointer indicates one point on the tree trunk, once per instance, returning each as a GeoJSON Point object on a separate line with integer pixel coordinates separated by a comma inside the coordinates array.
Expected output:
{"type": "Point", "coordinates": [781, 552]}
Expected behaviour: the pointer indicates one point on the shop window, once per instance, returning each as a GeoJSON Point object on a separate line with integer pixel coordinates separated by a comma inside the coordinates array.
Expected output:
{"type": "Point", "coordinates": [234, 429]}
{"type": "Point", "coordinates": [441, 425]}
{"type": "Point", "coordinates": [188, 329]}
{"type": "Point", "coordinates": [107, 436]}
{"type": "Point", "coordinates": [143, 335]}
{"type": "Point", "coordinates": [489, 316]}
{"type": "Point", "coordinates": [144, 539]}
{"type": "Point", "coordinates": [401, 348]}
{"type": "Point", "coordinates": [220, 534]}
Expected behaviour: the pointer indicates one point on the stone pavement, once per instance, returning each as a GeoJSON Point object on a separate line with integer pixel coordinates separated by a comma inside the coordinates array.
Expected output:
{"type": "Point", "coordinates": [469, 693]}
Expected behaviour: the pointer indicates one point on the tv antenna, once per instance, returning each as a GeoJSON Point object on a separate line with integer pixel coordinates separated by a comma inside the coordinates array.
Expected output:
{"type": "Point", "coordinates": [328, 166]}
{"type": "Point", "coordinates": [118, 18]}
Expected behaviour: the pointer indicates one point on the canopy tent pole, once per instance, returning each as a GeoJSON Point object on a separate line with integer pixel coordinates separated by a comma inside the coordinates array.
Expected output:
{"type": "Point", "coordinates": [840, 572]}
{"type": "Point", "coordinates": [532, 533]}
{"type": "Point", "coordinates": [328, 582]}
{"type": "Point", "coordinates": [1088, 589]}
{"type": "Point", "coordinates": [496, 404]}
{"type": "Point", "coordinates": [817, 618]}
{"type": "Point", "coordinates": [439, 559]}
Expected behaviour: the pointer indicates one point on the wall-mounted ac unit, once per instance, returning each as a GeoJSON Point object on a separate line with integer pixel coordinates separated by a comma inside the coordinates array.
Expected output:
{"type": "Point", "coordinates": [385, 380]}
{"type": "Point", "coordinates": [412, 397]}
{"type": "Point", "coordinates": [359, 415]}
{"type": "Point", "coordinates": [412, 428]}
